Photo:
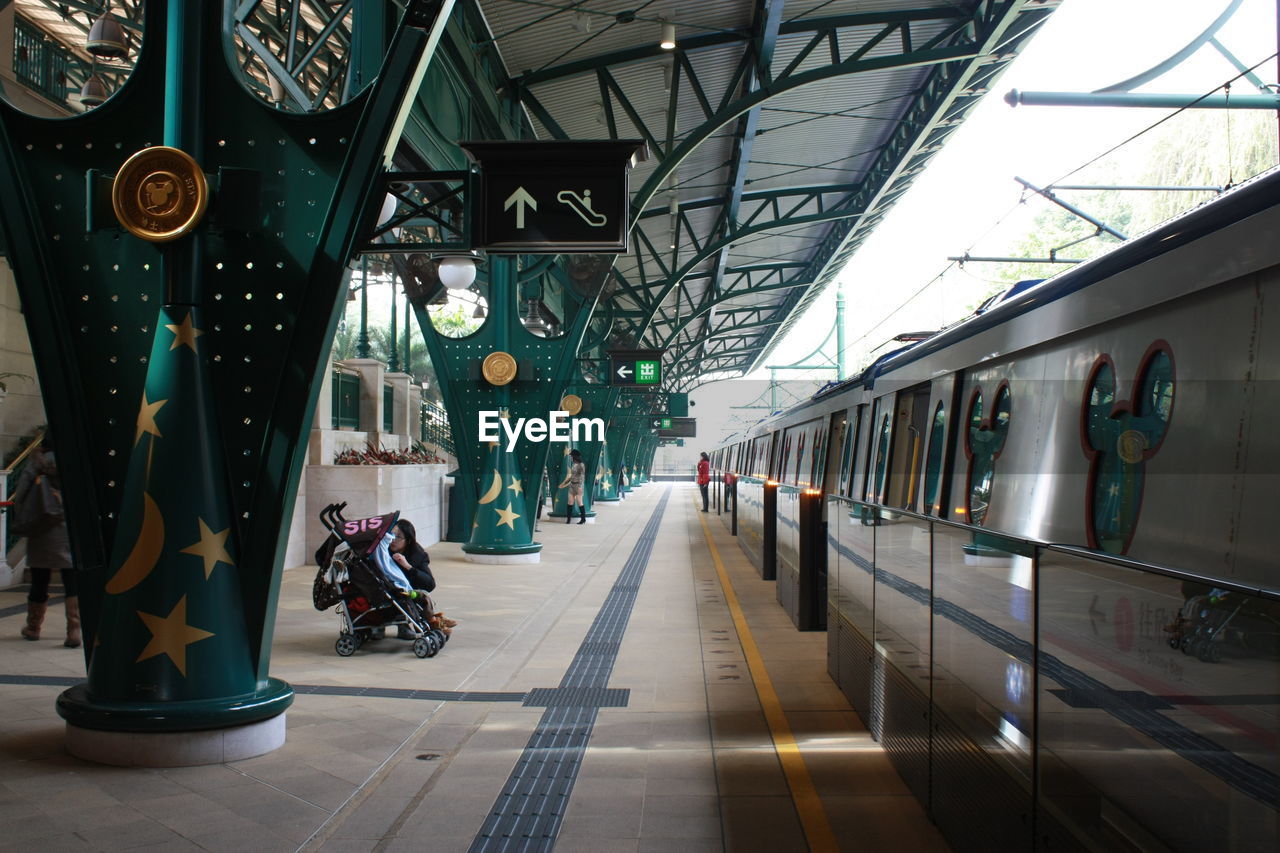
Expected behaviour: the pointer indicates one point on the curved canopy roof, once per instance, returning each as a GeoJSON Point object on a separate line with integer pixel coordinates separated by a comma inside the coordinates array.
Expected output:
{"type": "Point", "coordinates": [779, 134]}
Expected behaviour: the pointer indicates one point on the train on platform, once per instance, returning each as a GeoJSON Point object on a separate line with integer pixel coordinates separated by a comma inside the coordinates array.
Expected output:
{"type": "Point", "coordinates": [1048, 568]}
{"type": "Point", "coordinates": [1127, 405]}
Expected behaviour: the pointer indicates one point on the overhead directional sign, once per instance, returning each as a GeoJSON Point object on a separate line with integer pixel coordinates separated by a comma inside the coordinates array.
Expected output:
{"type": "Point", "coordinates": [554, 197]}
{"type": "Point", "coordinates": [676, 427]}
{"type": "Point", "coordinates": [636, 368]}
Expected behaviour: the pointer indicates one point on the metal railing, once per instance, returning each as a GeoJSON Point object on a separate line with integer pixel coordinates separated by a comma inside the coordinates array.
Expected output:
{"type": "Point", "coordinates": [1029, 691]}
{"type": "Point", "coordinates": [433, 427]}
{"type": "Point", "coordinates": [41, 64]}
{"type": "Point", "coordinates": [346, 400]}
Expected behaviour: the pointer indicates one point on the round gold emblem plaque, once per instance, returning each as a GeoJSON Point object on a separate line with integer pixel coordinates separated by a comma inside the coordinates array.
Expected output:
{"type": "Point", "coordinates": [160, 194]}
{"type": "Point", "coordinates": [1130, 446]}
{"type": "Point", "coordinates": [571, 403]}
{"type": "Point", "coordinates": [498, 368]}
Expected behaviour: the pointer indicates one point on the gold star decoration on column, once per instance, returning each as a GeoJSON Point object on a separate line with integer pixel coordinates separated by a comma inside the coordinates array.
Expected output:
{"type": "Point", "coordinates": [212, 548]}
{"type": "Point", "coordinates": [515, 486]}
{"type": "Point", "coordinates": [185, 334]}
{"type": "Point", "coordinates": [507, 517]}
{"type": "Point", "coordinates": [170, 635]}
{"type": "Point", "coordinates": [147, 418]}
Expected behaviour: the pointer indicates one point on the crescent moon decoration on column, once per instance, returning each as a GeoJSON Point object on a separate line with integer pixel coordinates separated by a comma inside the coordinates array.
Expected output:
{"type": "Point", "coordinates": [146, 550]}
{"type": "Point", "coordinates": [495, 488]}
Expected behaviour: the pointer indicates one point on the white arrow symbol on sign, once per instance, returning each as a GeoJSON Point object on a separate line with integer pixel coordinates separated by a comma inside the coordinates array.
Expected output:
{"type": "Point", "coordinates": [624, 371]}
{"type": "Point", "coordinates": [522, 200]}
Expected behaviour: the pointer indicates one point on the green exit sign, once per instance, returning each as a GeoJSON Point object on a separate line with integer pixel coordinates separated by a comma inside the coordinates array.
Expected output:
{"type": "Point", "coordinates": [647, 373]}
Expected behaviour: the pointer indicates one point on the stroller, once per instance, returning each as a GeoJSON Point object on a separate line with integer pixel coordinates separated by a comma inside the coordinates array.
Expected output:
{"type": "Point", "coordinates": [368, 600]}
{"type": "Point", "coordinates": [1211, 620]}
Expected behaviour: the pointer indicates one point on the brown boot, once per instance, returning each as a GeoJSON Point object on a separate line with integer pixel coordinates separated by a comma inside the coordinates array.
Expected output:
{"type": "Point", "coordinates": [35, 618]}
{"type": "Point", "coordinates": [73, 623]}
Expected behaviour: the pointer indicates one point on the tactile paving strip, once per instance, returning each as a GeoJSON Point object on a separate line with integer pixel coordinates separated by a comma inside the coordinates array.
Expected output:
{"type": "Point", "coordinates": [528, 813]}
{"type": "Point", "coordinates": [580, 697]}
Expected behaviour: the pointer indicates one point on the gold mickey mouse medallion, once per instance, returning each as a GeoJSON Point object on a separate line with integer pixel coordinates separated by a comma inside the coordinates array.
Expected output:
{"type": "Point", "coordinates": [498, 368]}
{"type": "Point", "coordinates": [160, 194]}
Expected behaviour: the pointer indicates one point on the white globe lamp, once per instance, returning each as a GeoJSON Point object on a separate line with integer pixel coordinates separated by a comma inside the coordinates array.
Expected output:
{"type": "Point", "coordinates": [457, 273]}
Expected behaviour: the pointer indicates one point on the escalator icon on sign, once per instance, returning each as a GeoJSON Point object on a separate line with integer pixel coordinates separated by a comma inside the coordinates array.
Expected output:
{"type": "Point", "coordinates": [581, 205]}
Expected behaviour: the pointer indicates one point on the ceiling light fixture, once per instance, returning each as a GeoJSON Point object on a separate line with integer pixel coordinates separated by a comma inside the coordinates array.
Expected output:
{"type": "Point", "coordinates": [457, 272]}
{"type": "Point", "coordinates": [93, 92]}
{"type": "Point", "coordinates": [668, 41]}
{"type": "Point", "coordinates": [532, 319]}
{"type": "Point", "coordinates": [106, 38]}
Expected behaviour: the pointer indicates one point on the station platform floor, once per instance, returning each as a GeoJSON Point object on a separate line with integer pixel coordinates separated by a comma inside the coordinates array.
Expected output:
{"type": "Point", "coordinates": [638, 690]}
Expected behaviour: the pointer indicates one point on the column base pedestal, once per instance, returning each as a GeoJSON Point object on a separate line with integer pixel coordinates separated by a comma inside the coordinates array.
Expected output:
{"type": "Point", "coordinates": [176, 749]}
{"type": "Point", "coordinates": [500, 555]}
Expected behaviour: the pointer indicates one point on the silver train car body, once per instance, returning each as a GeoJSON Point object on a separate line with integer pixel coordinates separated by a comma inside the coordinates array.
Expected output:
{"type": "Point", "coordinates": [1125, 409]}
{"type": "Point", "coordinates": [1196, 492]}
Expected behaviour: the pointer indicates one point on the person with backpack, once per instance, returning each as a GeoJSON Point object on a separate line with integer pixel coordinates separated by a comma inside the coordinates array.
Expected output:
{"type": "Point", "coordinates": [47, 545]}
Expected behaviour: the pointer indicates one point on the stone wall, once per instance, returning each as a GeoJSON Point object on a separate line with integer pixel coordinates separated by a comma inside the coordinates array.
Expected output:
{"type": "Point", "coordinates": [415, 490]}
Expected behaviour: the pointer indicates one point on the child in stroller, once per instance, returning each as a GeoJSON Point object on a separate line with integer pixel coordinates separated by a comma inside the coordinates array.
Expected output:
{"type": "Point", "coordinates": [359, 575]}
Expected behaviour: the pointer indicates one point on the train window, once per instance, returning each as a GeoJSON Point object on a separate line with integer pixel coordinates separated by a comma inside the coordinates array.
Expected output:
{"type": "Point", "coordinates": [1119, 441]}
{"type": "Point", "coordinates": [857, 473]}
{"type": "Point", "coordinates": [984, 439]}
{"type": "Point", "coordinates": [819, 459]}
{"type": "Point", "coordinates": [933, 463]}
{"type": "Point", "coordinates": [879, 486]}
{"type": "Point", "coordinates": [846, 454]}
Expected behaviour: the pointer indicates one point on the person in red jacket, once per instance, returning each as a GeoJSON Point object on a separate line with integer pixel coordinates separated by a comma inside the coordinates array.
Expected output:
{"type": "Point", "coordinates": [704, 478]}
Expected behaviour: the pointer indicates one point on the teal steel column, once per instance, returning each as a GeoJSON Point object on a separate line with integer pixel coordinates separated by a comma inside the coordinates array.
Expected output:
{"type": "Point", "coordinates": [842, 362]}
{"type": "Point", "coordinates": [362, 340]}
{"type": "Point", "coordinates": [393, 358]}
{"type": "Point", "coordinates": [408, 348]}
{"type": "Point", "coordinates": [149, 578]}
{"type": "Point", "coordinates": [497, 487]}
{"type": "Point", "coordinates": [176, 505]}
{"type": "Point", "coordinates": [498, 528]}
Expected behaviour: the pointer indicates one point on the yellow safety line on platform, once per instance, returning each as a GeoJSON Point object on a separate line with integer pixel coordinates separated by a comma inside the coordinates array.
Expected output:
{"type": "Point", "coordinates": [808, 805]}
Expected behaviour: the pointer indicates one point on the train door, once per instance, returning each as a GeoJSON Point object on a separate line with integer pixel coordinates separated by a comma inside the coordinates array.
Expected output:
{"type": "Point", "coordinates": [911, 415]}
{"type": "Point", "coordinates": [763, 453]}
{"type": "Point", "coordinates": [836, 466]}
{"type": "Point", "coordinates": [777, 456]}
{"type": "Point", "coordinates": [939, 446]}
{"type": "Point", "coordinates": [855, 466]}
{"type": "Point", "coordinates": [821, 439]}
{"type": "Point", "coordinates": [876, 489]}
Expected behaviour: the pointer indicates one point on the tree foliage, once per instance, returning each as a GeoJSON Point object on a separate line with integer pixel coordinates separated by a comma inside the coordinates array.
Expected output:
{"type": "Point", "coordinates": [1215, 148]}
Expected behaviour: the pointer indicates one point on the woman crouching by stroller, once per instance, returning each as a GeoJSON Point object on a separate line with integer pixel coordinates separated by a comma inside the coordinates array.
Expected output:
{"type": "Point", "coordinates": [413, 561]}
{"type": "Point", "coordinates": [411, 557]}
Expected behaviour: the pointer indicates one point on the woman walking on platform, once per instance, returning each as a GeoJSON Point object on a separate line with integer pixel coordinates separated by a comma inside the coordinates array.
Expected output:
{"type": "Point", "coordinates": [704, 478]}
{"type": "Point", "coordinates": [47, 549]}
{"type": "Point", "coordinates": [576, 481]}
